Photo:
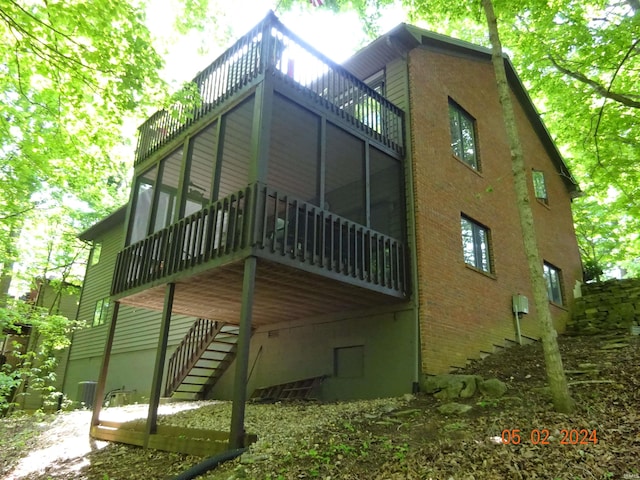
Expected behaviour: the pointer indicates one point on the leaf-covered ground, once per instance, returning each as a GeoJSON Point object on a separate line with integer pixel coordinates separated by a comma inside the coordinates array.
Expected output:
{"type": "Point", "coordinates": [402, 438]}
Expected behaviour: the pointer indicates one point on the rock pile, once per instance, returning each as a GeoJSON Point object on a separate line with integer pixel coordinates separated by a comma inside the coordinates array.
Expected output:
{"type": "Point", "coordinates": [607, 306]}
{"type": "Point", "coordinates": [452, 386]}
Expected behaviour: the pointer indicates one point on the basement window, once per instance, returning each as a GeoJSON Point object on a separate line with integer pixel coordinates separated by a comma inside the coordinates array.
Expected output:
{"type": "Point", "coordinates": [348, 362]}
{"type": "Point", "coordinates": [553, 278]}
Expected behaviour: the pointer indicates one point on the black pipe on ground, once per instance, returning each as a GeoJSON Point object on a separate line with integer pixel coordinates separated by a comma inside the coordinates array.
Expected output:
{"type": "Point", "coordinates": [210, 463]}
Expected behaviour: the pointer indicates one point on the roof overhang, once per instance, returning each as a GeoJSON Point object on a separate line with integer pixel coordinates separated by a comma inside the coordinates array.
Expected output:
{"type": "Point", "coordinates": [104, 225]}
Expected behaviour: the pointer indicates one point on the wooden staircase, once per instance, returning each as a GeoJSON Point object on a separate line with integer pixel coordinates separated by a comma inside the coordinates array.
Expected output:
{"type": "Point", "coordinates": [202, 357]}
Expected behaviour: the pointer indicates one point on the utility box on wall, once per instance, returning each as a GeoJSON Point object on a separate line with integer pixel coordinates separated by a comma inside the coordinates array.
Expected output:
{"type": "Point", "coordinates": [520, 304]}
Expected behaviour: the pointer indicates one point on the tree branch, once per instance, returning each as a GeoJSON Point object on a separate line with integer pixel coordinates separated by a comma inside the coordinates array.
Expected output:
{"type": "Point", "coordinates": [67, 60]}
{"type": "Point", "coordinates": [17, 214]}
{"type": "Point", "coordinates": [597, 87]}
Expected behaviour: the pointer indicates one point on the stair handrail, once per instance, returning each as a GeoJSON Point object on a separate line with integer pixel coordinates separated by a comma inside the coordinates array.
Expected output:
{"type": "Point", "coordinates": [190, 349]}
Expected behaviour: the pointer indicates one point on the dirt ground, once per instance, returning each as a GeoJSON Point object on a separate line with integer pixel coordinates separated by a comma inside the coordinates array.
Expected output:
{"type": "Point", "coordinates": [400, 438]}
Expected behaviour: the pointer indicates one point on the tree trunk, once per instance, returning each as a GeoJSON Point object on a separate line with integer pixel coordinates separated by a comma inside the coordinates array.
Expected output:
{"type": "Point", "coordinates": [553, 362]}
{"type": "Point", "coordinates": [10, 253]}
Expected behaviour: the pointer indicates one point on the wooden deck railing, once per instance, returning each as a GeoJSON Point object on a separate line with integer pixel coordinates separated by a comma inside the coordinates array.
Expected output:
{"type": "Point", "coordinates": [272, 47]}
{"type": "Point", "coordinates": [215, 231]}
{"type": "Point", "coordinates": [337, 90]}
{"type": "Point", "coordinates": [194, 343]}
{"type": "Point", "coordinates": [227, 75]}
{"type": "Point", "coordinates": [275, 225]}
{"type": "Point", "coordinates": [300, 231]}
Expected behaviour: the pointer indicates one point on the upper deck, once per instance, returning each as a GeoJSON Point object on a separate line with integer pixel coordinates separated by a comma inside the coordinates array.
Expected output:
{"type": "Point", "coordinates": [282, 155]}
{"type": "Point", "coordinates": [271, 49]}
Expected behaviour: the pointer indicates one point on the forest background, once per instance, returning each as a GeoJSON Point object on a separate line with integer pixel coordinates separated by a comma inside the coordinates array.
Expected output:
{"type": "Point", "coordinates": [77, 77]}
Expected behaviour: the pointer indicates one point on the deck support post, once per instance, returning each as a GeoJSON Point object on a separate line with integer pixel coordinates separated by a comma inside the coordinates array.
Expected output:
{"type": "Point", "coordinates": [161, 354]}
{"type": "Point", "coordinates": [236, 435]}
{"type": "Point", "coordinates": [106, 356]}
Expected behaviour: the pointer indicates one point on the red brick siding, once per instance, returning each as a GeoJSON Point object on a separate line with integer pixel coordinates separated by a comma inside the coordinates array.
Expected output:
{"type": "Point", "coordinates": [463, 311]}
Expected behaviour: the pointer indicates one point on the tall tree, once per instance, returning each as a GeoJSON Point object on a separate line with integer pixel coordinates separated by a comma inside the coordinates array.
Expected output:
{"type": "Point", "coordinates": [553, 361]}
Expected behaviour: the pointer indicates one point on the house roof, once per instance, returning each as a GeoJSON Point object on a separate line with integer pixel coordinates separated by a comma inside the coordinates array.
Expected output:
{"type": "Point", "coordinates": [403, 38]}
{"type": "Point", "coordinates": [104, 225]}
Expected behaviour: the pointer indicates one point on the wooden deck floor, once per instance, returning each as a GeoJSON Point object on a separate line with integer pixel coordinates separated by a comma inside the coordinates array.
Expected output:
{"type": "Point", "coordinates": [282, 293]}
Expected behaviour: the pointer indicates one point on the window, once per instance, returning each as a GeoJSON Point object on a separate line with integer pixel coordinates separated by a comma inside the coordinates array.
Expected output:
{"type": "Point", "coordinates": [553, 278]}
{"type": "Point", "coordinates": [101, 312]}
{"type": "Point", "coordinates": [475, 245]}
{"type": "Point", "coordinates": [95, 253]}
{"type": "Point", "coordinates": [345, 175]}
{"type": "Point", "coordinates": [385, 184]}
{"type": "Point", "coordinates": [463, 136]}
{"type": "Point", "coordinates": [540, 186]}
{"type": "Point", "coordinates": [168, 190]}
{"type": "Point", "coordinates": [143, 202]}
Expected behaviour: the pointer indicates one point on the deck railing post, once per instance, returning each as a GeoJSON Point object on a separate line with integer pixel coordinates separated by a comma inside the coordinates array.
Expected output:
{"type": "Point", "coordinates": [236, 435]}
{"type": "Point", "coordinates": [106, 356]}
{"type": "Point", "coordinates": [161, 354]}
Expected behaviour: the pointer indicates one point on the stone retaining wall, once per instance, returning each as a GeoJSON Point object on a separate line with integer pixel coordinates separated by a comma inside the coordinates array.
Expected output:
{"type": "Point", "coordinates": [606, 306]}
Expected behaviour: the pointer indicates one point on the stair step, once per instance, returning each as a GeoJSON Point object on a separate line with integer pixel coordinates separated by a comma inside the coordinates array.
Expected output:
{"type": "Point", "coordinates": [207, 370]}
{"type": "Point", "coordinates": [223, 342]}
{"type": "Point", "coordinates": [184, 396]}
{"type": "Point", "coordinates": [218, 351]}
{"type": "Point", "coordinates": [216, 356]}
{"type": "Point", "coordinates": [188, 388]}
{"type": "Point", "coordinates": [496, 348]}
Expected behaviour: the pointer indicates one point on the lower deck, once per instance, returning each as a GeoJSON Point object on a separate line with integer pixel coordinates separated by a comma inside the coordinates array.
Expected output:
{"type": "Point", "coordinates": [281, 294]}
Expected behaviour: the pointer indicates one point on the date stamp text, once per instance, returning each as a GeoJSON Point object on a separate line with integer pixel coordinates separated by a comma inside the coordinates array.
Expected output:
{"type": "Point", "coordinates": [543, 436]}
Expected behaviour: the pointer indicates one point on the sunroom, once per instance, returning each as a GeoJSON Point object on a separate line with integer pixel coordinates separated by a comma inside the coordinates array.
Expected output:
{"type": "Point", "coordinates": [284, 156]}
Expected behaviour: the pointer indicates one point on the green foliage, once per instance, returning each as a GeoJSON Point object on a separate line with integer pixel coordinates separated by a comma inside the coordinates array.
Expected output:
{"type": "Point", "coordinates": [71, 74]}
{"type": "Point", "coordinates": [32, 369]}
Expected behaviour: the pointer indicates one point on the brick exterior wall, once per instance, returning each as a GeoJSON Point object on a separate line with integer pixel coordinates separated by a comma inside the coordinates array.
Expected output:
{"type": "Point", "coordinates": [463, 311]}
